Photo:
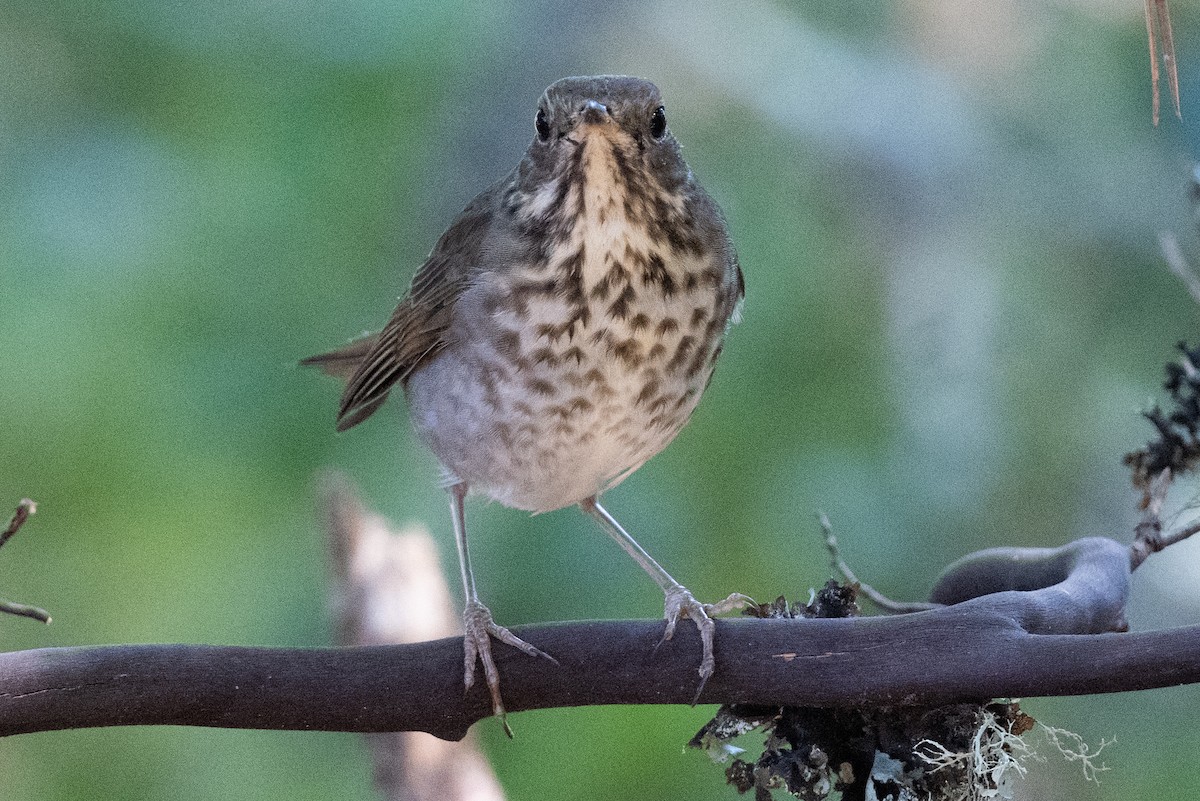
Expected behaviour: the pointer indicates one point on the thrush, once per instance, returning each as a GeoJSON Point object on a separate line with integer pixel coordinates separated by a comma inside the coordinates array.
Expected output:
{"type": "Point", "coordinates": [561, 332]}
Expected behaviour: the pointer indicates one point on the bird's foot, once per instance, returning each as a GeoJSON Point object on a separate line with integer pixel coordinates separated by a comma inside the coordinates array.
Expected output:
{"type": "Point", "coordinates": [681, 603]}
{"type": "Point", "coordinates": [478, 629]}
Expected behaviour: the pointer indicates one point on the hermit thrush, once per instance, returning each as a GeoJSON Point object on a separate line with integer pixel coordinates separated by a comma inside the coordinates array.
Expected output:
{"type": "Point", "coordinates": [562, 330]}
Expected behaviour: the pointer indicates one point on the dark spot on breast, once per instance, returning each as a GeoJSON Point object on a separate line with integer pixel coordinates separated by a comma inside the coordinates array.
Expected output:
{"type": "Point", "coordinates": [660, 403]}
{"type": "Point", "coordinates": [502, 432]}
{"type": "Point", "coordinates": [636, 258]}
{"type": "Point", "coordinates": [699, 314]}
{"type": "Point", "coordinates": [508, 344]}
{"type": "Point", "coordinates": [615, 275]}
{"type": "Point", "coordinates": [666, 325]}
{"type": "Point", "coordinates": [492, 303]}
{"type": "Point", "coordinates": [685, 397]}
{"type": "Point", "coordinates": [682, 352]}
{"type": "Point", "coordinates": [629, 351]}
{"type": "Point", "coordinates": [487, 379]}
{"type": "Point", "coordinates": [699, 362]}
{"type": "Point", "coordinates": [541, 387]}
{"type": "Point", "coordinates": [556, 331]}
{"type": "Point", "coordinates": [544, 356]}
{"type": "Point", "coordinates": [712, 359]}
{"type": "Point", "coordinates": [639, 322]}
{"type": "Point", "coordinates": [656, 273]}
{"type": "Point", "coordinates": [649, 390]}
{"type": "Point", "coordinates": [619, 308]}
{"type": "Point", "coordinates": [580, 405]}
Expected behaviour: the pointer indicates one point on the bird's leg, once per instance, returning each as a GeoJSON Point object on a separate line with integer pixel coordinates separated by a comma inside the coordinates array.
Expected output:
{"type": "Point", "coordinates": [478, 626]}
{"type": "Point", "coordinates": [679, 600]}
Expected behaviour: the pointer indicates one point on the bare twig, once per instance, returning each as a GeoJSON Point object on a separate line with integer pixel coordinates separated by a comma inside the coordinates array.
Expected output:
{"type": "Point", "coordinates": [1158, 31]}
{"type": "Point", "coordinates": [25, 508]}
{"type": "Point", "coordinates": [1147, 534]}
{"type": "Point", "coordinates": [875, 596]}
{"type": "Point", "coordinates": [1150, 534]}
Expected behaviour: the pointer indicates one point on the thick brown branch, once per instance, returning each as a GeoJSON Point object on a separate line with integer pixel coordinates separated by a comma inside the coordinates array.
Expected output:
{"type": "Point", "coordinates": [1009, 643]}
{"type": "Point", "coordinates": [928, 658]}
{"type": "Point", "coordinates": [1038, 633]}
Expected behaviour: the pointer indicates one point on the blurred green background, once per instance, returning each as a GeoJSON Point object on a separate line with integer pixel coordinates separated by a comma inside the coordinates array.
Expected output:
{"type": "Point", "coordinates": [947, 213]}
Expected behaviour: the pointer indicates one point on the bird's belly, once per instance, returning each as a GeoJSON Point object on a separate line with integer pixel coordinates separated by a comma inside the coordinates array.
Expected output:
{"type": "Point", "coordinates": [556, 424]}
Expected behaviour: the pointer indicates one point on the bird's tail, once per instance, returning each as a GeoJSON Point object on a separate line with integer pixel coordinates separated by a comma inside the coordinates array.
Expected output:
{"type": "Point", "coordinates": [342, 363]}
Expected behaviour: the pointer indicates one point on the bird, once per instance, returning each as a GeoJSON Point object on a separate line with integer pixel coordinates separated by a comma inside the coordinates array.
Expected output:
{"type": "Point", "coordinates": [561, 332]}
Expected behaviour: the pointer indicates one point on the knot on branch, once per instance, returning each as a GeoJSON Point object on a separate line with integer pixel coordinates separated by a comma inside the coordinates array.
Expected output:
{"type": "Point", "coordinates": [1079, 588]}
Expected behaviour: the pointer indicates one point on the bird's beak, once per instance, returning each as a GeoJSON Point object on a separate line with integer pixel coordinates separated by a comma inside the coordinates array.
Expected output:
{"type": "Point", "coordinates": [594, 112]}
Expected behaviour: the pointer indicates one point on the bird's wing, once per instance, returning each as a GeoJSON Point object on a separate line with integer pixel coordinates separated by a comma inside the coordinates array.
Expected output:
{"type": "Point", "coordinates": [417, 328]}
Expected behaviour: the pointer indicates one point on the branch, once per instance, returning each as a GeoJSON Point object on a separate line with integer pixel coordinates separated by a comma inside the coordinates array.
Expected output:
{"type": "Point", "coordinates": [1013, 643]}
{"type": "Point", "coordinates": [888, 605]}
{"type": "Point", "coordinates": [1162, 45]}
{"type": "Point", "coordinates": [25, 508]}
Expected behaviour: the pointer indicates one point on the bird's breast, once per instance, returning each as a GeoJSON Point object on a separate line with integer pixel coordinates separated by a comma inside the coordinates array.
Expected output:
{"type": "Point", "coordinates": [564, 374]}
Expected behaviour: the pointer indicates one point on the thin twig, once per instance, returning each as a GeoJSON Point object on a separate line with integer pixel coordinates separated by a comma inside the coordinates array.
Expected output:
{"type": "Point", "coordinates": [24, 610]}
{"type": "Point", "coordinates": [1158, 31]}
{"type": "Point", "coordinates": [1180, 534]}
{"type": "Point", "coordinates": [24, 509]}
{"type": "Point", "coordinates": [875, 596]}
{"type": "Point", "coordinates": [1148, 533]}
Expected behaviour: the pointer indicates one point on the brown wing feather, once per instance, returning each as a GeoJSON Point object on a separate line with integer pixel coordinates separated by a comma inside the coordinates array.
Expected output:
{"type": "Point", "coordinates": [416, 330]}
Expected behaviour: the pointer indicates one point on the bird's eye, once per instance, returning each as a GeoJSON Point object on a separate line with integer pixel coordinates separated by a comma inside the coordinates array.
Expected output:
{"type": "Point", "coordinates": [658, 123]}
{"type": "Point", "coordinates": [543, 126]}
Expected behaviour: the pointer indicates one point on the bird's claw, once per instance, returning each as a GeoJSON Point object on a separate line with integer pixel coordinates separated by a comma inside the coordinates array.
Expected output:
{"type": "Point", "coordinates": [681, 603]}
{"type": "Point", "coordinates": [478, 629]}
